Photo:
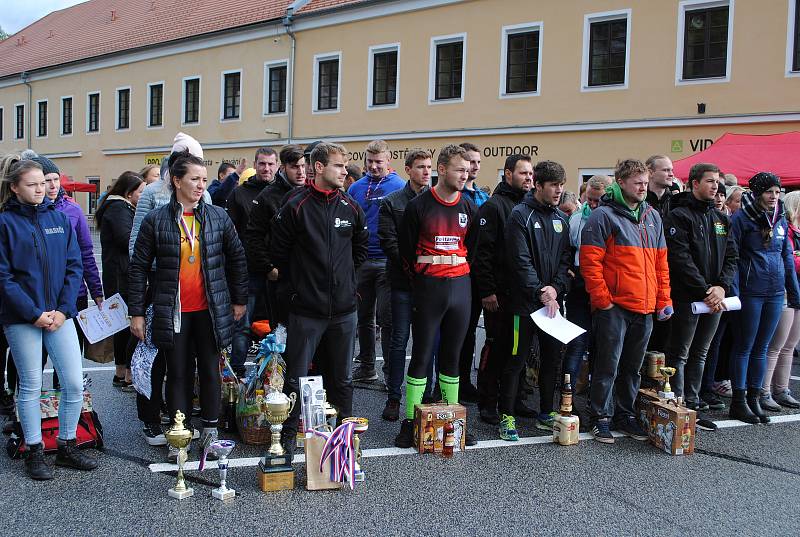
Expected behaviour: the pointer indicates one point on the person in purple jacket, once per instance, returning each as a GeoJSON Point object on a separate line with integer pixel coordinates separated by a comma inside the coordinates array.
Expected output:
{"type": "Point", "coordinates": [66, 205]}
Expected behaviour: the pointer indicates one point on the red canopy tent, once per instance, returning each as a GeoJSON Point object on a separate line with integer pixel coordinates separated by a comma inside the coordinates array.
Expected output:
{"type": "Point", "coordinates": [744, 155]}
{"type": "Point", "coordinates": [76, 186]}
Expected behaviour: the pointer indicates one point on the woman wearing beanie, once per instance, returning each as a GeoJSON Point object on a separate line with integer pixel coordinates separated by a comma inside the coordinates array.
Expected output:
{"type": "Point", "coordinates": [775, 391]}
{"type": "Point", "coordinates": [114, 217]}
{"type": "Point", "coordinates": [40, 273]}
{"type": "Point", "coordinates": [199, 289]}
{"type": "Point", "coordinates": [766, 272]}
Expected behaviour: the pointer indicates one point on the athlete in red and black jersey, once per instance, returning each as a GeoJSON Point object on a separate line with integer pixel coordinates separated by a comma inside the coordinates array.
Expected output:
{"type": "Point", "coordinates": [434, 241]}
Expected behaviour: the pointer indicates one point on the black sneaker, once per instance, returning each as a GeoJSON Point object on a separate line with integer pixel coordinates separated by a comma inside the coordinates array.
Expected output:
{"type": "Point", "coordinates": [467, 394]}
{"type": "Point", "coordinates": [154, 434]}
{"type": "Point", "coordinates": [490, 416]}
{"type": "Point", "coordinates": [365, 373]}
{"type": "Point", "coordinates": [118, 382]}
{"type": "Point", "coordinates": [406, 437]}
{"type": "Point", "coordinates": [700, 406]}
{"type": "Point", "coordinates": [712, 400]}
{"type": "Point", "coordinates": [391, 412]}
{"type": "Point", "coordinates": [470, 440]}
{"type": "Point", "coordinates": [6, 403]}
{"type": "Point", "coordinates": [601, 431]}
{"type": "Point", "coordinates": [630, 427]}
{"type": "Point", "coordinates": [705, 424]}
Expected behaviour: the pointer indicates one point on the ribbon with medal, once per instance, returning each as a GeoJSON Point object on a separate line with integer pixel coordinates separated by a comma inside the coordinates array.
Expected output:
{"type": "Point", "coordinates": [190, 237]}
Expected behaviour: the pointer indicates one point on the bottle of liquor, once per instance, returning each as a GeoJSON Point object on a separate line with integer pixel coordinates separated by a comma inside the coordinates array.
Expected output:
{"type": "Point", "coordinates": [449, 440]}
{"type": "Point", "coordinates": [566, 397]}
{"type": "Point", "coordinates": [429, 435]}
{"type": "Point", "coordinates": [230, 410]}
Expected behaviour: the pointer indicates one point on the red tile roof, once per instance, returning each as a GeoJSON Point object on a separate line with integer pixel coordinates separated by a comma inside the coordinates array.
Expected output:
{"type": "Point", "coordinates": [98, 27]}
{"type": "Point", "coordinates": [318, 5]}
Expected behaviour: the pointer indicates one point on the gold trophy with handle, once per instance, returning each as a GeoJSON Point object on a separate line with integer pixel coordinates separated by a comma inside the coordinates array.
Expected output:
{"type": "Point", "coordinates": [666, 392]}
{"type": "Point", "coordinates": [275, 467]}
{"type": "Point", "coordinates": [179, 437]}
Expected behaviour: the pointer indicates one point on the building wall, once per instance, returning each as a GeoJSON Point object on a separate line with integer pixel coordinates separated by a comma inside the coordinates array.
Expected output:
{"type": "Point", "coordinates": [581, 129]}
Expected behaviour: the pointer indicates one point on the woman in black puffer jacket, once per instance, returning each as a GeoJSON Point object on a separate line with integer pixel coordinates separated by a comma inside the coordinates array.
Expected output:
{"type": "Point", "coordinates": [114, 217]}
{"type": "Point", "coordinates": [199, 288]}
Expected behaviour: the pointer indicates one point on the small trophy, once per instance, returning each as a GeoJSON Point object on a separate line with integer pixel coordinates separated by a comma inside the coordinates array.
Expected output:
{"type": "Point", "coordinates": [179, 437]}
{"type": "Point", "coordinates": [666, 392]}
{"type": "Point", "coordinates": [360, 427]}
{"type": "Point", "coordinates": [222, 448]}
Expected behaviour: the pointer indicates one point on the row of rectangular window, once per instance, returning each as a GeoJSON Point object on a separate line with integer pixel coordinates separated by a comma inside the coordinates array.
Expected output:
{"type": "Point", "coordinates": [705, 55]}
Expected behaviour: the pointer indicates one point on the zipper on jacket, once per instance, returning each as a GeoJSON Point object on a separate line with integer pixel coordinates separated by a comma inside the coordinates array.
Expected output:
{"type": "Point", "coordinates": [37, 227]}
{"type": "Point", "coordinates": [330, 260]}
{"type": "Point", "coordinates": [203, 256]}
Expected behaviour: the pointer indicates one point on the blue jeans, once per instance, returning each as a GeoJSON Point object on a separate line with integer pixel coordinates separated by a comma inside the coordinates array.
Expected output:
{"type": "Point", "coordinates": [754, 330]}
{"type": "Point", "coordinates": [25, 342]}
{"type": "Point", "coordinates": [257, 290]}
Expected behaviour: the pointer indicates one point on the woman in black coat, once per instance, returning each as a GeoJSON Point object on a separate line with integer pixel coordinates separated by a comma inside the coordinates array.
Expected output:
{"type": "Point", "coordinates": [114, 217]}
{"type": "Point", "coordinates": [199, 288]}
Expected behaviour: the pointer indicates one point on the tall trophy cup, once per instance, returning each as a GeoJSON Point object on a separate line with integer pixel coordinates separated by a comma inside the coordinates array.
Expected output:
{"type": "Point", "coordinates": [179, 437]}
{"type": "Point", "coordinates": [275, 468]}
{"type": "Point", "coordinates": [666, 392]}
{"type": "Point", "coordinates": [222, 448]}
{"type": "Point", "coordinates": [360, 427]}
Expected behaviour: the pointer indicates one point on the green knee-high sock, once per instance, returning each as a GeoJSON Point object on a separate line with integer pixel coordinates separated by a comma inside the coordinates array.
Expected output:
{"type": "Point", "coordinates": [415, 388]}
{"type": "Point", "coordinates": [449, 387]}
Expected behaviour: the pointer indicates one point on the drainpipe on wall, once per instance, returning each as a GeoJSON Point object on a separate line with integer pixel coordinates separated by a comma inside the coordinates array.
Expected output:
{"type": "Point", "coordinates": [25, 77]}
{"type": "Point", "coordinates": [287, 24]}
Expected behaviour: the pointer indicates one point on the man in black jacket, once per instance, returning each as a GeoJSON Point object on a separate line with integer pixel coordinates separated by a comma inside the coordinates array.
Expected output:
{"type": "Point", "coordinates": [538, 256]}
{"type": "Point", "coordinates": [659, 196]}
{"type": "Point", "coordinates": [319, 239]}
{"type": "Point", "coordinates": [490, 277]}
{"type": "Point", "coordinates": [239, 204]}
{"type": "Point", "coordinates": [418, 169]}
{"type": "Point", "coordinates": [702, 256]}
{"type": "Point", "coordinates": [292, 174]}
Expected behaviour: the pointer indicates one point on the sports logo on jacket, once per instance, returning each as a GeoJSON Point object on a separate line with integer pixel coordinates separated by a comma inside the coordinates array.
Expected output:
{"type": "Point", "coordinates": [483, 221]}
{"type": "Point", "coordinates": [53, 230]}
{"type": "Point", "coordinates": [558, 226]}
{"type": "Point", "coordinates": [341, 222]}
{"type": "Point", "coordinates": [462, 219]}
{"type": "Point", "coordinates": [446, 242]}
{"type": "Point", "coordinates": [719, 229]}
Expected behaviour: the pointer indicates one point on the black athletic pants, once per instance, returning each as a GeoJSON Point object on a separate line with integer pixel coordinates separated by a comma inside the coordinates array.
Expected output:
{"type": "Point", "coordinates": [196, 338]}
{"type": "Point", "coordinates": [468, 349]}
{"type": "Point", "coordinates": [441, 305]}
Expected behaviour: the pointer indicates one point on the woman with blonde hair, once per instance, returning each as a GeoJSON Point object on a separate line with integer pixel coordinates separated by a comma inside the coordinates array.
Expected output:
{"type": "Point", "coordinates": [775, 392]}
{"type": "Point", "coordinates": [150, 173]}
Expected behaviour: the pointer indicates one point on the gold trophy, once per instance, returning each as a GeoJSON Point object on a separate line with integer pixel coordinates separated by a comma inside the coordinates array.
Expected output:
{"type": "Point", "coordinates": [179, 437]}
{"type": "Point", "coordinates": [666, 392]}
{"type": "Point", "coordinates": [361, 426]}
{"type": "Point", "coordinates": [275, 468]}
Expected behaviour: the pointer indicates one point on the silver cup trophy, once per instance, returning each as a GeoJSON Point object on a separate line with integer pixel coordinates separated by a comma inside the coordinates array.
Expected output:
{"type": "Point", "coordinates": [222, 448]}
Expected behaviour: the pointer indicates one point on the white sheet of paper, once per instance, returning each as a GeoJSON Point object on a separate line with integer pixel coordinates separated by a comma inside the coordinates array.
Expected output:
{"type": "Point", "coordinates": [558, 326]}
{"type": "Point", "coordinates": [732, 303]}
{"type": "Point", "coordinates": [97, 324]}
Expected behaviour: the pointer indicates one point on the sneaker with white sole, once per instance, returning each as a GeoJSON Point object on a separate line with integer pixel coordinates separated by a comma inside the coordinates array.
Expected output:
{"type": "Point", "coordinates": [630, 427]}
{"type": "Point", "coordinates": [723, 388]}
{"type": "Point", "coordinates": [153, 434]}
{"type": "Point", "coordinates": [601, 431]}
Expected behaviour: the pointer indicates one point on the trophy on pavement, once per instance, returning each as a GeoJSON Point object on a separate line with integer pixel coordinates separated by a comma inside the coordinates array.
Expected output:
{"type": "Point", "coordinates": [666, 392]}
{"type": "Point", "coordinates": [275, 468]}
{"type": "Point", "coordinates": [179, 437]}
{"type": "Point", "coordinates": [222, 448]}
{"type": "Point", "coordinates": [360, 427]}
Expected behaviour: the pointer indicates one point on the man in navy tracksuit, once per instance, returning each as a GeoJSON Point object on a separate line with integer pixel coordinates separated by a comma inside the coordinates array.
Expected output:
{"type": "Point", "coordinates": [319, 239]}
{"type": "Point", "coordinates": [373, 285]}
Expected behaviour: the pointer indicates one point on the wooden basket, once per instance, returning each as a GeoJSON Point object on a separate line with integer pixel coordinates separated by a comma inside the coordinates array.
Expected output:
{"type": "Point", "coordinates": [253, 434]}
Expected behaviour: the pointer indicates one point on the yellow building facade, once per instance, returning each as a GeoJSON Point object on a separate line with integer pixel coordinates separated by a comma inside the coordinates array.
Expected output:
{"type": "Point", "coordinates": [582, 82]}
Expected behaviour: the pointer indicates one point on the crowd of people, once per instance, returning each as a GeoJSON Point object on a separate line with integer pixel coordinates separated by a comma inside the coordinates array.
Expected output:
{"type": "Point", "coordinates": [339, 255]}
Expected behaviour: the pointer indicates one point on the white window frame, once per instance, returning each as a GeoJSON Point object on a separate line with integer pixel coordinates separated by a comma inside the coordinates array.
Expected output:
{"type": "Point", "coordinates": [61, 116]}
{"type": "Point", "coordinates": [222, 95]}
{"type": "Point", "coordinates": [510, 30]}
{"type": "Point", "coordinates": [604, 16]}
{"type": "Point", "coordinates": [337, 55]}
{"type": "Point", "coordinates": [691, 5]}
{"type": "Point", "coordinates": [790, 31]}
{"type": "Point", "coordinates": [267, 81]}
{"type": "Point", "coordinates": [163, 108]}
{"type": "Point", "coordinates": [378, 49]}
{"type": "Point", "coordinates": [441, 40]}
{"type": "Point", "coordinates": [116, 108]}
{"type": "Point", "coordinates": [199, 78]}
{"type": "Point", "coordinates": [36, 134]}
{"type": "Point", "coordinates": [24, 119]}
{"type": "Point", "coordinates": [99, 116]}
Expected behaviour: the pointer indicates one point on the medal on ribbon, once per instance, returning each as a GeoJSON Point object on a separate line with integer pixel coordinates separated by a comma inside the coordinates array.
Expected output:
{"type": "Point", "coordinates": [190, 237]}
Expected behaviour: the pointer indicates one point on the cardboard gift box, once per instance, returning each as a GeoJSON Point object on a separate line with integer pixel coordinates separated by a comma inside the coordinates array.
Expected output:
{"type": "Point", "coordinates": [429, 421]}
{"type": "Point", "coordinates": [671, 427]}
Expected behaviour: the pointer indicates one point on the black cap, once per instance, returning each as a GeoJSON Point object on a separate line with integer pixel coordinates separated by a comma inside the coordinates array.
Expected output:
{"type": "Point", "coordinates": [310, 147]}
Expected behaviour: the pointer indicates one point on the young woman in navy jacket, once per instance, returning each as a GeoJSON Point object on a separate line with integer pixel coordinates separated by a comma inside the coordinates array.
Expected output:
{"type": "Point", "coordinates": [40, 274]}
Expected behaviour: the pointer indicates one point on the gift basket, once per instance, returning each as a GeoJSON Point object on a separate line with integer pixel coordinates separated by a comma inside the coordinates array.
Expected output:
{"type": "Point", "coordinates": [266, 377]}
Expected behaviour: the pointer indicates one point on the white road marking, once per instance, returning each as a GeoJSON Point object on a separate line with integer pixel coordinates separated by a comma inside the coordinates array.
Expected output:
{"type": "Point", "coordinates": [484, 444]}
